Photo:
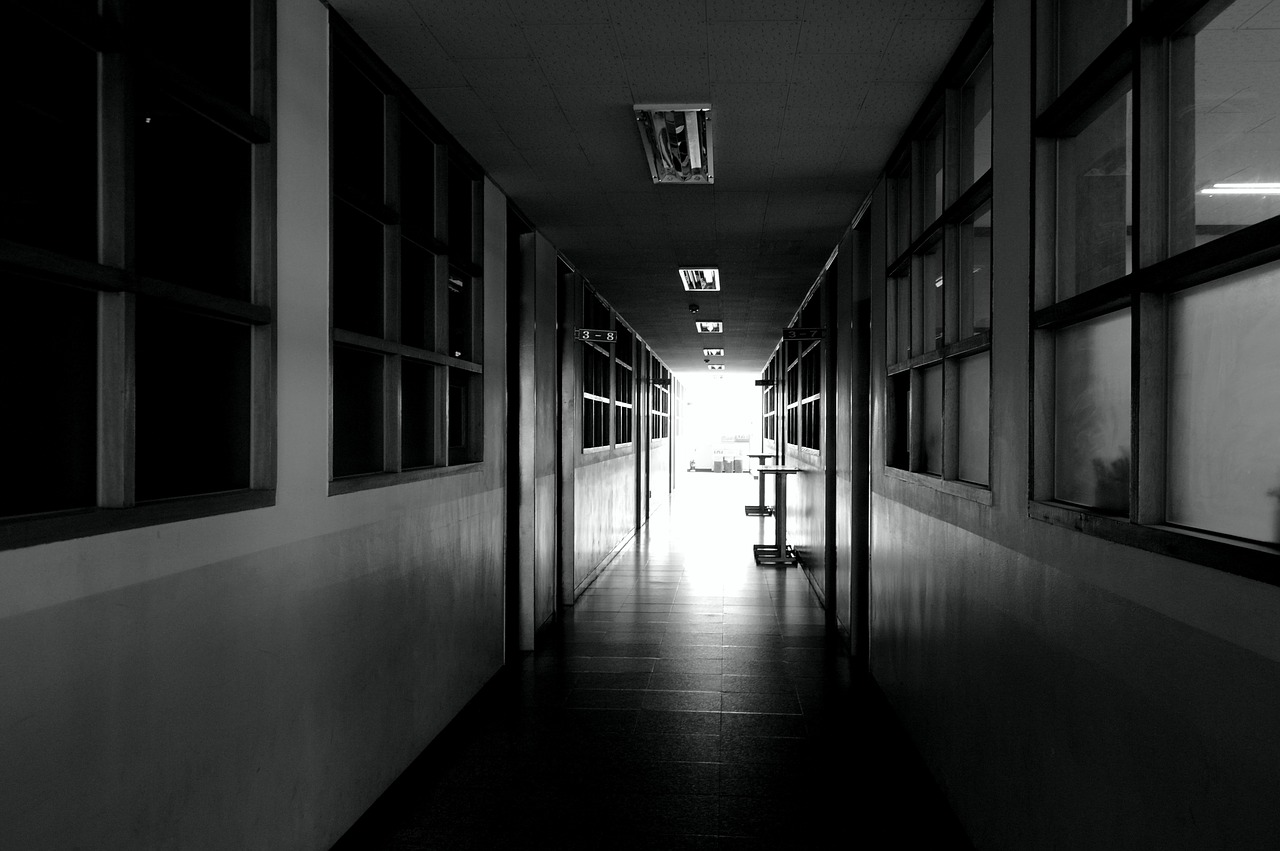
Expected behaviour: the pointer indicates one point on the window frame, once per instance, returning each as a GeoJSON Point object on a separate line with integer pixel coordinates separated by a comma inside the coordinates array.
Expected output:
{"type": "Point", "coordinates": [456, 438]}
{"type": "Point", "coordinates": [125, 67]}
{"type": "Point", "coordinates": [908, 187]}
{"type": "Point", "coordinates": [1141, 52]}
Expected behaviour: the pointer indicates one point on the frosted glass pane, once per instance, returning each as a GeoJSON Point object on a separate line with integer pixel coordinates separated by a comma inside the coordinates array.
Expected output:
{"type": "Point", "coordinates": [931, 287]}
{"type": "Point", "coordinates": [977, 117]}
{"type": "Point", "coordinates": [975, 273]}
{"type": "Point", "coordinates": [1224, 406]}
{"type": "Point", "coordinates": [1085, 27]}
{"type": "Point", "coordinates": [931, 421]}
{"type": "Point", "coordinates": [1091, 413]}
{"type": "Point", "coordinates": [904, 318]}
{"type": "Point", "coordinates": [974, 394]}
{"type": "Point", "coordinates": [1094, 204]}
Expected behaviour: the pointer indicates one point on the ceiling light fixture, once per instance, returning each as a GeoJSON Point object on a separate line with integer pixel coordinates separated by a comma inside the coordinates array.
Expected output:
{"type": "Point", "coordinates": [710, 327]}
{"type": "Point", "coordinates": [715, 367]}
{"type": "Point", "coordinates": [700, 279]}
{"type": "Point", "coordinates": [713, 353]}
{"type": "Point", "coordinates": [1242, 189]}
{"type": "Point", "coordinates": [677, 141]}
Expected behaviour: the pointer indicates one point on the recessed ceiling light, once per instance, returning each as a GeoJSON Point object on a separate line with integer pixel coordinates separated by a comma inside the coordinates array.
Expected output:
{"type": "Point", "coordinates": [700, 279]}
{"type": "Point", "coordinates": [713, 353]}
{"type": "Point", "coordinates": [677, 141]}
{"type": "Point", "coordinates": [710, 327]}
{"type": "Point", "coordinates": [715, 367]}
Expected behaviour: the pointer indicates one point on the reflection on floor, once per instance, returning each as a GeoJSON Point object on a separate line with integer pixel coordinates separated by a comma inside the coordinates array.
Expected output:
{"type": "Point", "coordinates": [689, 700]}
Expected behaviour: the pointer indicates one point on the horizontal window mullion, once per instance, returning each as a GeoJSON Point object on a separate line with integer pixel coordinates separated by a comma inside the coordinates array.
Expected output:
{"type": "Point", "coordinates": [1107, 298]}
{"type": "Point", "coordinates": [58, 268]}
{"type": "Point", "coordinates": [374, 208]}
{"type": "Point", "coordinates": [429, 244]}
{"type": "Point", "coordinates": [390, 347]}
{"type": "Point", "coordinates": [1234, 252]}
{"type": "Point", "coordinates": [970, 200]}
{"type": "Point", "coordinates": [191, 94]}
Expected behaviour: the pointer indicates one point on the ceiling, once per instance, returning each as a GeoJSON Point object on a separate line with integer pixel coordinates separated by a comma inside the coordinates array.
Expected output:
{"type": "Point", "coordinates": [808, 99]}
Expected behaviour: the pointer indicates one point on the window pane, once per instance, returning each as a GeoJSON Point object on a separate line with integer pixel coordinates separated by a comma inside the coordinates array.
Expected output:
{"type": "Point", "coordinates": [1085, 28]}
{"type": "Point", "coordinates": [1094, 202]}
{"type": "Point", "coordinates": [417, 183]}
{"type": "Point", "coordinates": [50, 453]}
{"type": "Point", "coordinates": [900, 220]}
{"type": "Point", "coordinates": [193, 403]}
{"type": "Point", "coordinates": [931, 291]}
{"type": "Point", "coordinates": [213, 48]}
{"type": "Point", "coordinates": [357, 412]}
{"type": "Point", "coordinates": [357, 121]}
{"type": "Point", "coordinates": [1224, 406]}
{"type": "Point", "coordinates": [931, 199]}
{"type": "Point", "coordinates": [1091, 413]}
{"type": "Point", "coordinates": [897, 426]}
{"type": "Point", "coordinates": [50, 148]}
{"type": "Point", "coordinates": [904, 318]}
{"type": "Point", "coordinates": [464, 416]}
{"type": "Point", "coordinates": [417, 435]}
{"type": "Point", "coordinates": [461, 330]}
{"type": "Point", "coordinates": [461, 210]}
{"type": "Point", "coordinates": [931, 420]}
{"type": "Point", "coordinates": [1237, 121]}
{"type": "Point", "coordinates": [973, 374]}
{"type": "Point", "coordinates": [975, 273]}
{"type": "Point", "coordinates": [417, 296]}
{"type": "Point", "coordinates": [194, 200]}
{"type": "Point", "coordinates": [977, 122]}
{"type": "Point", "coordinates": [357, 271]}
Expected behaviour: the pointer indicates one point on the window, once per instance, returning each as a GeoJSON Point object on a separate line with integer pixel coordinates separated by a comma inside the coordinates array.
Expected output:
{"type": "Point", "coordinates": [1156, 302]}
{"type": "Point", "coordinates": [808, 397]}
{"type": "Point", "coordinates": [769, 398]}
{"type": "Point", "coordinates": [597, 374]}
{"type": "Point", "coordinates": [624, 386]}
{"type": "Point", "coordinates": [139, 288]}
{"type": "Point", "coordinates": [938, 284]}
{"type": "Point", "coordinates": [660, 399]}
{"type": "Point", "coordinates": [406, 308]}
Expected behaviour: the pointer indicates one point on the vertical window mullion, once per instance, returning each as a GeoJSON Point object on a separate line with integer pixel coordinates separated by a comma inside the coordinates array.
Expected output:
{"type": "Point", "coordinates": [392, 453]}
{"type": "Point", "coordinates": [117, 312]}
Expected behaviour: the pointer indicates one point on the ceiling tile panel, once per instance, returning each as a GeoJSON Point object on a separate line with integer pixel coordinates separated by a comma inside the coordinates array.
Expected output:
{"type": "Point", "coordinates": [560, 11]}
{"type": "Point", "coordinates": [462, 112]}
{"type": "Point", "coordinates": [955, 9]}
{"type": "Point", "coordinates": [839, 26]}
{"type": "Point", "coordinates": [919, 49]}
{"type": "Point", "coordinates": [892, 103]}
{"type": "Point", "coordinates": [573, 53]}
{"type": "Point", "coordinates": [669, 77]}
{"type": "Point", "coordinates": [753, 51]}
{"type": "Point", "coordinates": [414, 55]}
{"type": "Point", "coordinates": [486, 30]}
{"type": "Point", "coordinates": [754, 10]}
{"type": "Point", "coordinates": [834, 71]}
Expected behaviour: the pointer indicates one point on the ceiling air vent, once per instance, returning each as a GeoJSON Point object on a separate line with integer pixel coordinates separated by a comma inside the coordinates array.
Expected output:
{"type": "Point", "coordinates": [677, 141]}
{"type": "Point", "coordinates": [700, 279]}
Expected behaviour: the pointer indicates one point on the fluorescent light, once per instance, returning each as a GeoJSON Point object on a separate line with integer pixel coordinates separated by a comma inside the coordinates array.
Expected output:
{"type": "Point", "coordinates": [677, 141]}
{"type": "Point", "coordinates": [713, 353]}
{"type": "Point", "coordinates": [715, 367]}
{"type": "Point", "coordinates": [700, 279]}
{"type": "Point", "coordinates": [710, 327]}
{"type": "Point", "coordinates": [1242, 189]}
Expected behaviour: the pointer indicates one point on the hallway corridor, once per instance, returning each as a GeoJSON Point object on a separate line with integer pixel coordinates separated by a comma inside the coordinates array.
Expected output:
{"type": "Point", "coordinates": [689, 700]}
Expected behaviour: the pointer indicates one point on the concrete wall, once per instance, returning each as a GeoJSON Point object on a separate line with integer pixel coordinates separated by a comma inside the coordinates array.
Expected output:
{"type": "Point", "coordinates": [1067, 692]}
{"type": "Point", "coordinates": [256, 679]}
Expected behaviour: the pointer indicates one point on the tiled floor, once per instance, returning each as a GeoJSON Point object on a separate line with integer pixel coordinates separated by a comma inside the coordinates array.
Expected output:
{"type": "Point", "coordinates": [690, 700]}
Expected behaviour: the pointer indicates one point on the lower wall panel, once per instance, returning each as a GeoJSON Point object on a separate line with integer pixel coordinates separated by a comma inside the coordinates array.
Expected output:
{"type": "Point", "coordinates": [604, 512]}
{"type": "Point", "coordinates": [1057, 714]}
{"type": "Point", "coordinates": [260, 702]}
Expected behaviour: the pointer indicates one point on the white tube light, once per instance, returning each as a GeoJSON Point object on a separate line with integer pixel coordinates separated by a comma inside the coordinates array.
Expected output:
{"type": "Point", "coordinates": [1242, 189]}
